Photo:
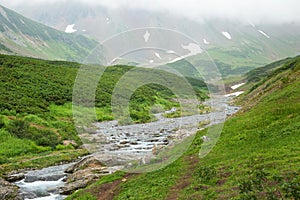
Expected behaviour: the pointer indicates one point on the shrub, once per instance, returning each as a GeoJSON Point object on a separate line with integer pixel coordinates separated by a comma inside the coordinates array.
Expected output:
{"type": "Point", "coordinates": [260, 185]}
{"type": "Point", "coordinates": [44, 137]}
{"type": "Point", "coordinates": [205, 173]}
{"type": "Point", "coordinates": [2, 121]}
{"type": "Point", "coordinates": [292, 188]}
{"type": "Point", "coordinates": [3, 159]}
{"type": "Point", "coordinates": [60, 147]}
{"type": "Point", "coordinates": [19, 128]}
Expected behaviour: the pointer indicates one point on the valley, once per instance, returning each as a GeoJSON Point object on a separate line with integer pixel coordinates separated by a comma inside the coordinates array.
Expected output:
{"type": "Point", "coordinates": [259, 145]}
{"type": "Point", "coordinates": [200, 104]}
{"type": "Point", "coordinates": [243, 141]}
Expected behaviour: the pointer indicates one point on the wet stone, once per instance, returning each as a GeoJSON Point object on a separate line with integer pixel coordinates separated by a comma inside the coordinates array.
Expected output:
{"type": "Point", "coordinates": [133, 142]}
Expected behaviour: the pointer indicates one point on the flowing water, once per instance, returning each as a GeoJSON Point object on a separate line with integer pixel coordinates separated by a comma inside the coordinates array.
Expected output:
{"type": "Point", "coordinates": [132, 141]}
{"type": "Point", "coordinates": [43, 184]}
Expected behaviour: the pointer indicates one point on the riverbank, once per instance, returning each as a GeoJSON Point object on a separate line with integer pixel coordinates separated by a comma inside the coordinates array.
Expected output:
{"type": "Point", "coordinates": [17, 167]}
{"type": "Point", "coordinates": [28, 175]}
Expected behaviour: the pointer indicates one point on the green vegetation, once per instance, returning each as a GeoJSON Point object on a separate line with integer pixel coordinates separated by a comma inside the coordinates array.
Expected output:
{"type": "Point", "coordinates": [256, 157]}
{"type": "Point", "coordinates": [263, 72]}
{"type": "Point", "coordinates": [229, 66]}
{"type": "Point", "coordinates": [91, 191]}
{"type": "Point", "coordinates": [36, 104]}
{"type": "Point", "coordinates": [22, 36]}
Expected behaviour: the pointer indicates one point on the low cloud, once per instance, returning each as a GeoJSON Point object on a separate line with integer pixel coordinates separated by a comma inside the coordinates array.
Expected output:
{"type": "Point", "coordinates": [255, 11]}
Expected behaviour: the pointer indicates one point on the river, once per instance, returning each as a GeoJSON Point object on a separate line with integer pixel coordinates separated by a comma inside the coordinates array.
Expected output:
{"type": "Point", "coordinates": [43, 184]}
{"type": "Point", "coordinates": [132, 141]}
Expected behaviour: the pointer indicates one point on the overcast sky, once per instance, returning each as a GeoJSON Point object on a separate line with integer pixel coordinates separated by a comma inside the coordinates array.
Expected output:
{"type": "Point", "coordinates": [255, 11]}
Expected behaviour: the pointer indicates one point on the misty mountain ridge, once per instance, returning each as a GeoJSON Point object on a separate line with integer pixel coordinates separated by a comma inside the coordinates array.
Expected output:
{"type": "Point", "coordinates": [238, 45]}
{"type": "Point", "coordinates": [22, 36]}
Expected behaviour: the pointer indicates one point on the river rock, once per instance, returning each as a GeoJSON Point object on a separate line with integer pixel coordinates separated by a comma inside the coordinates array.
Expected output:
{"type": "Point", "coordinates": [124, 142]}
{"type": "Point", "coordinates": [70, 142]}
{"type": "Point", "coordinates": [84, 163]}
{"type": "Point", "coordinates": [47, 177]}
{"type": "Point", "coordinates": [133, 142]}
{"type": "Point", "coordinates": [72, 187]}
{"type": "Point", "coordinates": [14, 177]}
{"type": "Point", "coordinates": [8, 191]}
{"type": "Point", "coordinates": [82, 174]}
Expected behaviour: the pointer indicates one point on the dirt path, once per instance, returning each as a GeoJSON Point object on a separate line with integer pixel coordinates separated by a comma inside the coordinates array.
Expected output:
{"type": "Point", "coordinates": [185, 179]}
{"type": "Point", "coordinates": [108, 191]}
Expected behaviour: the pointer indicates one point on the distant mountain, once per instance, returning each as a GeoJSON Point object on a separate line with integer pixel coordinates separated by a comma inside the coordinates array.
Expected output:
{"type": "Point", "coordinates": [22, 36]}
{"type": "Point", "coordinates": [234, 46]}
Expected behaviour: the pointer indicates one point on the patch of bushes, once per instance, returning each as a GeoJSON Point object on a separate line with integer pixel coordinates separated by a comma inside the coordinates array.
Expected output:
{"type": "Point", "coordinates": [2, 121]}
{"type": "Point", "coordinates": [263, 185]}
{"type": "Point", "coordinates": [21, 129]}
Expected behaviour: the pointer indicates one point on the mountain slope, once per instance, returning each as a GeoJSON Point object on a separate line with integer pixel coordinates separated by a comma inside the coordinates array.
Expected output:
{"type": "Point", "coordinates": [246, 46]}
{"type": "Point", "coordinates": [22, 36]}
{"type": "Point", "coordinates": [256, 157]}
{"type": "Point", "coordinates": [36, 107]}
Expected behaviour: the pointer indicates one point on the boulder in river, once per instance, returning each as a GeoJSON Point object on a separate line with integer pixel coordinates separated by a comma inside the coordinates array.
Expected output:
{"type": "Point", "coordinates": [82, 174]}
{"type": "Point", "coordinates": [84, 163]}
{"type": "Point", "coordinates": [14, 177]}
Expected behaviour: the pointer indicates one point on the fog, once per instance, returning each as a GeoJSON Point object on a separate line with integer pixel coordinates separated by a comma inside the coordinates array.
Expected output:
{"type": "Point", "coordinates": [249, 11]}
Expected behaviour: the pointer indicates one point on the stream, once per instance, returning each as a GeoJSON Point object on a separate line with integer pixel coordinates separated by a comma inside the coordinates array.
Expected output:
{"type": "Point", "coordinates": [43, 184]}
{"type": "Point", "coordinates": [115, 143]}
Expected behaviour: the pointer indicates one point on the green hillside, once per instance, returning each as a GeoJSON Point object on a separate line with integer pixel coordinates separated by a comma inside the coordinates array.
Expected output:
{"type": "Point", "coordinates": [22, 36]}
{"type": "Point", "coordinates": [256, 157]}
{"type": "Point", "coordinates": [36, 106]}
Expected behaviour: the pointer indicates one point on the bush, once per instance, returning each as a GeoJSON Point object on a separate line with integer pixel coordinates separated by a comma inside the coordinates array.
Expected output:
{"type": "Point", "coordinates": [35, 119]}
{"type": "Point", "coordinates": [44, 137]}
{"type": "Point", "coordinates": [19, 128]}
{"type": "Point", "coordinates": [205, 173]}
{"type": "Point", "coordinates": [260, 185]}
{"type": "Point", "coordinates": [292, 188]}
{"type": "Point", "coordinates": [2, 121]}
{"type": "Point", "coordinates": [3, 159]}
{"type": "Point", "coordinates": [60, 147]}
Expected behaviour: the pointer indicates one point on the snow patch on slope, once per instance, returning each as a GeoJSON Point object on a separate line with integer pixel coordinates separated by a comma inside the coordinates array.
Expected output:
{"type": "Point", "coordinates": [193, 48]}
{"type": "Point", "coordinates": [227, 35]}
{"type": "Point", "coordinates": [146, 36]}
{"type": "Point", "coordinates": [170, 52]}
{"type": "Point", "coordinates": [263, 33]}
{"type": "Point", "coordinates": [237, 86]}
{"type": "Point", "coordinates": [235, 94]}
{"type": "Point", "coordinates": [205, 41]}
{"type": "Point", "coordinates": [70, 29]}
{"type": "Point", "coordinates": [157, 55]}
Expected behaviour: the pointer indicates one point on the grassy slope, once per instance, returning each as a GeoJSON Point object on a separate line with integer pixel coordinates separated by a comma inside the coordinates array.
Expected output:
{"type": "Point", "coordinates": [23, 36]}
{"type": "Point", "coordinates": [36, 108]}
{"type": "Point", "coordinates": [257, 156]}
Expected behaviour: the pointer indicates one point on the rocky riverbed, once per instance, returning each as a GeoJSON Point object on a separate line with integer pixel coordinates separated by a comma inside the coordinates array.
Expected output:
{"type": "Point", "coordinates": [139, 143]}
{"type": "Point", "coordinates": [44, 183]}
{"type": "Point", "coordinates": [114, 147]}
{"type": "Point", "coordinates": [54, 183]}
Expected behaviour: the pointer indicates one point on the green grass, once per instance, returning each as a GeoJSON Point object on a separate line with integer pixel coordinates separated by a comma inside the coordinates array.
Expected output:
{"type": "Point", "coordinates": [91, 191]}
{"type": "Point", "coordinates": [38, 40]}
{"type": "Point", "coordinates": [39, 160]}
{"type": "Point", "coordinates": [265, 138]}
{"type": "Point", "coordinates": [36, 103]}
{"type": "Point", "coordinates": [256, 157]}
